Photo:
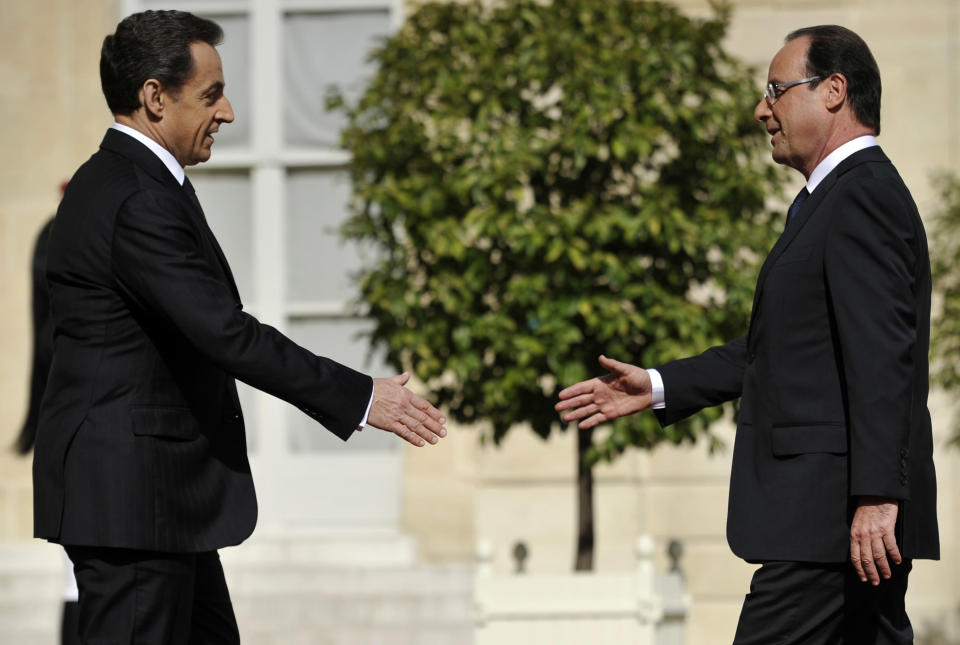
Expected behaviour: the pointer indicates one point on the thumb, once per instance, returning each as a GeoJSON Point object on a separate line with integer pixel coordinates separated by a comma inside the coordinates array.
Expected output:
{"type": "Point", "coordinates": [401, 379]}
{"type": "Point", "coordinates": [613, 365]}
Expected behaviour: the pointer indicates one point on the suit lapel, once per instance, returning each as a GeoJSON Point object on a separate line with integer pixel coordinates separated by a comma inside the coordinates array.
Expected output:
{"type": "Point", "coordinates": [796, 225]}
{"type": "Point", "coordinates": [806, 212]}
{"type": "Point", "coordinates": [125, 145]}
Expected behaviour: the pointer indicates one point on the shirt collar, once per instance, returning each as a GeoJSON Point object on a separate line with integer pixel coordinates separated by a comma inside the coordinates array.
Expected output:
{"type": "Point", "coordinates": [162, 153]}
{"type": "Point", "coordinates": [833, 159]}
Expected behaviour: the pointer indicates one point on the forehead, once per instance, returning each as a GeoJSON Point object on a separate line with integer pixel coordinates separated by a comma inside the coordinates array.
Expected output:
{"type": "Point", "coordinates": [790, 62]}
{"type": "Point", "coordinates": [207, 67]}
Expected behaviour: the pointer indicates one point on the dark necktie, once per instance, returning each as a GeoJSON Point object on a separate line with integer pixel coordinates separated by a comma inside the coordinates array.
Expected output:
{"type": "Point", "coordinates": [191, 193]}
{"type": "Point", "coordinates": [797, 203]}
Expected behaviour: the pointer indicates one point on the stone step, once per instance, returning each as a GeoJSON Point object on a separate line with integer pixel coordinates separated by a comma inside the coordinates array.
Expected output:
{"type": "Point", "coordinates": [14, 636]}
{"type": "Point", "coordinates": [26, 616]}
{"type": "Point", "coordinates": [421, 582]}
{"type": "Point", "coordinates": [380, 636]}
{"type": "Point", "coordinates": [358, 549]}
{"type": "Point", "coordinates": [295, 608]}
{"type": "Point", "coordinates": [343, 590]}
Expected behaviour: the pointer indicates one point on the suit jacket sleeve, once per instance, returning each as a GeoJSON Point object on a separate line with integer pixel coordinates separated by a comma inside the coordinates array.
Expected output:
{"type": "Point", "coordinates": [871, 265]}
{"type": "Point", "coordinates": [160, 266]}
{"type": "Point", "coordinates": [713, 377]}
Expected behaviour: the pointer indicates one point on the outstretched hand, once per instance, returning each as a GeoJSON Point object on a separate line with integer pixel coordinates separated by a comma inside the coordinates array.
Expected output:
{"type": "Point", "coordinates": [398, 410]}
{"type": "Point", "coordinates": [624, 390]}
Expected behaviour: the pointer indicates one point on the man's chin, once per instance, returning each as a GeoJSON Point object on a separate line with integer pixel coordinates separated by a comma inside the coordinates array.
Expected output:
{"type": "Point", "coordinates": [200, 157]}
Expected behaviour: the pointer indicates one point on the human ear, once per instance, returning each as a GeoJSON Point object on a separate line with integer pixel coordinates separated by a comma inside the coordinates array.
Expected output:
{"type": "Point", "coordinates": [835, 90]}
{"type": "Point", "coordinates": [152, 97]}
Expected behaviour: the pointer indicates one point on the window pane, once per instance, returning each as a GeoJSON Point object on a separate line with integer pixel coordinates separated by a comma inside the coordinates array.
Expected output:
{"type": "Point", "coordinates": [225, 196]}
{"type": "Point", "coordinates": [320, 265]}
{"type": "Point", "coordinates": [339, 339]}
{"type": "Point", "coordinates": [325, 51]}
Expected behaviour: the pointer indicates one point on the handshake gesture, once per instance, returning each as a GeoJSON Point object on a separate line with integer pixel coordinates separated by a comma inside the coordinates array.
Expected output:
{"type": "Point", "coordinates": [624, 390]}
{"type": "Point", "coordinates": [398, 410]}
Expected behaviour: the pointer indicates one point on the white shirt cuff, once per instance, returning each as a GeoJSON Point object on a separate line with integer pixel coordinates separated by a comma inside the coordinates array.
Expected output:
{"type": "Point", "coordinates": [366, 414]}
{"type": "Point", "coordinates": [657, 399]}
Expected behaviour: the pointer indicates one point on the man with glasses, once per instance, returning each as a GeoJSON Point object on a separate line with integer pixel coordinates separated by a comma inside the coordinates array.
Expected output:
{"type": "Point", "coordinates": [833, 490]}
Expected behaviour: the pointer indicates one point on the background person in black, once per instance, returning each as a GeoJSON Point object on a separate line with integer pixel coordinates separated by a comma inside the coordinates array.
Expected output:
{"type": "Point", "coordinates": [42, 354]}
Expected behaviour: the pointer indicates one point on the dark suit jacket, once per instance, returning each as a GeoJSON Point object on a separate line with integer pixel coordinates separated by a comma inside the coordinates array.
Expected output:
{"type": "Point", "coordinates": [141, 440]}
{"type": "Point", "coordinates": [833, 375]}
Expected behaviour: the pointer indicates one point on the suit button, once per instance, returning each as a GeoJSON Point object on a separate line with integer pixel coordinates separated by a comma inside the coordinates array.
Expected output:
{"type": "Point", "coordinates": [751, 356]}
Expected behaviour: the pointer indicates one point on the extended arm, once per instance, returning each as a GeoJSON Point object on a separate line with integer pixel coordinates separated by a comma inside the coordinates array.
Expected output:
{"type": "Point", "coordinates": [690, 385]}
{"type": "Point", "coordinates": [702, 381]}
{"type": "Point", "coordinates": [159, 266]}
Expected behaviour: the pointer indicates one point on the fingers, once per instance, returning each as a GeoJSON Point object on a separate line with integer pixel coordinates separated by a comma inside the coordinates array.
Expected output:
{"type": "Point", "coordinates": [890, 546]}
{"type": "Point", "coordinates": [427, 420]}
{"type": "Point", "coordinates": [433, 413]}
{"type": "Point", "coordinates": [418, 425]}
{"type": "Point", "coordinates": [581, 412]}
{"type": "Point", "coordinates": [869, 568]}
{"type": "Point", "coordinates": [424, 426]}
{"type": "Point", "coordinates": [855, 560]}
{"type": "Point", "coordinates": [872, 538]}
{"type": "Point", "coordinates": [882, 568]}
{"type": "Point", "coordinates": [593, 421]}
{"type": "Point", "coordinates": [575, 402]}
{"type": "Point", "coordinates": [577, 389]}
{"type": "Point", "coordinates": [863, 557]}
{"type": "Point", "coordinates": [410, 417]}
{"type": "Point", "coordinates": [409, 436]}
{"type": "Point", "coordinates": [413, 429]}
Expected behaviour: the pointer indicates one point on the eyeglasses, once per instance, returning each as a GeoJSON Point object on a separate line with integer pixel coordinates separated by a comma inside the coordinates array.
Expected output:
{"type": "Point", "coordinates": [776, 90]}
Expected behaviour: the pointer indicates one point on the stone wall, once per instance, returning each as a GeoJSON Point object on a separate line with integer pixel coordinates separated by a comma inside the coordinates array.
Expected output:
{"type": "Point", "coordinates": [52, 117]}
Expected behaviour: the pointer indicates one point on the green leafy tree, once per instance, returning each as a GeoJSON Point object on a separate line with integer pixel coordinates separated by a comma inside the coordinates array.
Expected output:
{"type": "Point", "coordinates": [945, 266]}
{"type": "Point", "coordinates": [549, 182]}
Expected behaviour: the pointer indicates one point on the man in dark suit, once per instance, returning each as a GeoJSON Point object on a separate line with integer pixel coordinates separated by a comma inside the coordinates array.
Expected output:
{"type": "Point", "coordinates": [833, 489]}
{"type": "Point", "coordinates": [141, 468]}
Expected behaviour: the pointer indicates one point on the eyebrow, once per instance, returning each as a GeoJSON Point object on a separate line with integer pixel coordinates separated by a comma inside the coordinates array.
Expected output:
{"type": "Point", "coordinates": [216, 87]}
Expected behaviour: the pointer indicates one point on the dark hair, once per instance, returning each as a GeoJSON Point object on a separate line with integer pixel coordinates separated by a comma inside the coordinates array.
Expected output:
{"type": "Point", "coordinates": [837, 50]}
{"type": "Point", "coordinates": [151, 44]}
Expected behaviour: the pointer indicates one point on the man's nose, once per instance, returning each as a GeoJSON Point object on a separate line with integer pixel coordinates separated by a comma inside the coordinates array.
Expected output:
{"type": "Point", "coordinates": [762, 112]}
{"type": "Point", "coordinates": [225, 113]}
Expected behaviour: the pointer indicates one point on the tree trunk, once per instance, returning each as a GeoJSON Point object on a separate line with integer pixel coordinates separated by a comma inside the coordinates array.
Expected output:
{"type": "Point", "coordinates": [584, 503]}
